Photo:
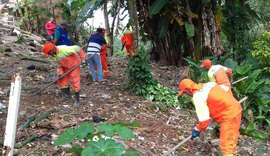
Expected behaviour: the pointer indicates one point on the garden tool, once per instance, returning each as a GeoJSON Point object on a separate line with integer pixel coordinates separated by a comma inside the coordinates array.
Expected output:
{"type": "Point", "coordinates": [177, 146]}
{"type": "Point", "coordinates": [234, 82]}
{"type": "Point", "coordinates": [123, 46]}
{"type": "Point", "coordinates": [60, 77]}
{"type": "Point", "coordinates": [188, 138]}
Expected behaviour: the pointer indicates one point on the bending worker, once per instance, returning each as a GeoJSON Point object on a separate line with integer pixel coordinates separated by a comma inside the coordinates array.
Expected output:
{"type": "Point", "coordinates": [218, 74]}
{"type": "Point", "coordinates": [67, 57]}
{"type": "Point", "coordinates": [211, 101]}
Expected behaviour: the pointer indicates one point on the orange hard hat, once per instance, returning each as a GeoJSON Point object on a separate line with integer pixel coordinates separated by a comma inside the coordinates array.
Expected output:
{"type": "Point", "coordinates": [47, 48]}
{"type": "Point", "coordinates": [185, 84]}
{"type": "Point", "coordinates": [206, 63]}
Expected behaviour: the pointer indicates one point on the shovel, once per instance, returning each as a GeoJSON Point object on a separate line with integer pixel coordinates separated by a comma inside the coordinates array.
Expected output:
{"type": "Point", "coordinates": [69, 71]}
{"type": "Point", "coordinates": [178, 145]}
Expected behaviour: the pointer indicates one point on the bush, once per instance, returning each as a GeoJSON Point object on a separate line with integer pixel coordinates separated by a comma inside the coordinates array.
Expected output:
{"type": "Point", "coordinates": [142, 82]}
{"type": "Point", "coordinates": [262, 50]}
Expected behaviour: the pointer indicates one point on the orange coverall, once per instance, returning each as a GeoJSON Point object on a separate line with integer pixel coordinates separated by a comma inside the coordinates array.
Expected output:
{"type": "Point", "coordinates": [211, 101]}
{"type": "Point", "coordinates": [128, 38]}
{"type": "Point", "coordinates": [68, 57]}
{"type": "Point", "coordinates": [218, 74]}
{"type": "Point", "coordinates": [103, 58]}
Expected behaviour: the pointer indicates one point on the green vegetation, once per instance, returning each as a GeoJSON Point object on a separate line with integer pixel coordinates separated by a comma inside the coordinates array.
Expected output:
{"type": "Point", "coordinates": [99, 140]}
{"type": "Point", "coordinates": [256, 110]}
{"type": "Point", "coordinates": [262, 50]}
{"type": "Point", "coordinates": [142, 82]}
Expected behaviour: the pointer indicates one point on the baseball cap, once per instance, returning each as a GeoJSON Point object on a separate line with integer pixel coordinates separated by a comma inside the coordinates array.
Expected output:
{"type": "Point", "coordinates": [47, 48]}
{"type": "Point", "coordinates": [64, 22]}
{"type": "Point", "coordinates": [185, 84]}
{"type": "Point", "coordinates": [206, 63]}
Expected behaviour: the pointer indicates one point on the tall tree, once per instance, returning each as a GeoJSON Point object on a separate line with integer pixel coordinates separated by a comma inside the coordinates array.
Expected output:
{"type": "Point", "coordinates": [132, 9]}
{"type": "Point", "coordinates": [114, 13]}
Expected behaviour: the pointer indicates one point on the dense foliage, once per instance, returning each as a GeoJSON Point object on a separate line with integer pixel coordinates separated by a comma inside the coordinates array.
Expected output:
{"type": "Point", "coordinates": [256, 110]}
{"type": "Point", "coordinates": [30, 12]}
{"type": "Point", "coordinates": [262, 50]}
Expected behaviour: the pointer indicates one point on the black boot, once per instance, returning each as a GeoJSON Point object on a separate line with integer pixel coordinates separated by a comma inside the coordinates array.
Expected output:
{"type": "Point", "coordinates": [65, 94]}
{"type": "Point", "coordinates": [77, 99]}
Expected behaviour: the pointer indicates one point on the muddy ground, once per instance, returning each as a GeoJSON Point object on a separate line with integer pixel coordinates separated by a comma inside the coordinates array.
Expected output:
{"type": "Point", "coordinates": [160, 129]}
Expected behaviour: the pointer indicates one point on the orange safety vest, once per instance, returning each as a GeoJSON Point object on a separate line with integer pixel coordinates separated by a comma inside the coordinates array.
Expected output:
{"type": "Point", "coordinates": [211, 101]}
{"type": "Point", "coordinates": [218, 74]}
{"type": "Point", "coordinates": [128, 38]}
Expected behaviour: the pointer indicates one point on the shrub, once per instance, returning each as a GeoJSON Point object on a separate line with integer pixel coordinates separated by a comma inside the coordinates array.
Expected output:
{"type": "Point", "coordinates": [142, 82]}
{"type": "Point", "coordinates": [262, 50]}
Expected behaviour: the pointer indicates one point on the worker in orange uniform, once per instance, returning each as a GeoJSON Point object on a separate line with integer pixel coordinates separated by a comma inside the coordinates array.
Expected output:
{"type": "Point", "coordinates": [67, 57]}
{"type": "Point", "coordinates": [127, 41]}
{"type": "Point", "coordinates": [211, 101]}
{"type": "Point", "coordinates": [103, 57]}
{"type": "Point", "coordinates": [218, 74]}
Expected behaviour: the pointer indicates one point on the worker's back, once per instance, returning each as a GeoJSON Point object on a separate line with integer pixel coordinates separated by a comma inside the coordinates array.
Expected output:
{"type": "Point", "coordinates": [217, 73]}
{"type": "Point", "coordinates": [222, 106]}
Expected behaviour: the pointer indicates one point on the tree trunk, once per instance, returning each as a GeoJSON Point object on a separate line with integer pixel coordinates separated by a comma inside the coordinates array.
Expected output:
{"type": "Point", "coordinates": [134, 22]}
{"type": "Point", "coordinates": [107, 26]}
{"type": "Point", "coordinates": [198, 36]}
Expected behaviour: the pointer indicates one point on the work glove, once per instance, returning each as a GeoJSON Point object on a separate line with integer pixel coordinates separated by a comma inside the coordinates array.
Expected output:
{"type": "Point", "coordinates": [195, 134]}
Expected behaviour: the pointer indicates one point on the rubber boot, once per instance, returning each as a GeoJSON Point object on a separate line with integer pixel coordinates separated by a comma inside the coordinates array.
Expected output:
{"type": "Point", "coordinates": [77, 99]}
{"type": "Point", "coordinates": [65, 94]}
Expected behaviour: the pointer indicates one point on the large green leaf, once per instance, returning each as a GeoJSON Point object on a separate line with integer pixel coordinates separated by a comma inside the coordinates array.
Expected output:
{"type": "Point", "coordinates": [157, 6]}
{"type": "Point", "coordinates": [75, 149]}
{"type": "Point", "coordinates": [189, 29]}
{"type": "Point", "coordinates": [124, 132]}
{"type": "Point", "coordinates": [253, 86]}
{"type": "Point", "coordinates": [103, 147]}
{"type": "Point", "coordinates": [163, 25]}
{"type": "Point", "coordinates": [84, 129]}
{"type": "Point", "coordinates": [254, 74]}
{"type": "Point", "coordinates": [68, 136]}
{"type": "Point", "coordinates": [107, 128]}
{"type": "Point", "coordinates": [244, 69]}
